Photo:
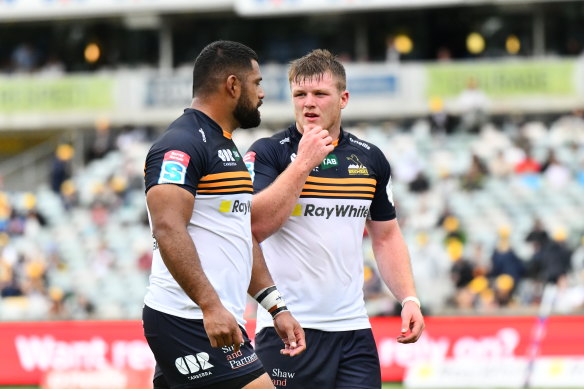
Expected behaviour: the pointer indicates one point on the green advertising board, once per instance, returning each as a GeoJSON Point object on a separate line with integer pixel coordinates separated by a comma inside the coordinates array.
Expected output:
{"type": "Point", "coordinates": [503, 79]}
{"type": "Point", "coordinates": [24, 94]}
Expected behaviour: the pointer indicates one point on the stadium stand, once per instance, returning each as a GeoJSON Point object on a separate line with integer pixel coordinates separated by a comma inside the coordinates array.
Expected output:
{"type": "Point", "coordinates": [470, 103]}
{"type": "Point", "coordinates": [84, 251]}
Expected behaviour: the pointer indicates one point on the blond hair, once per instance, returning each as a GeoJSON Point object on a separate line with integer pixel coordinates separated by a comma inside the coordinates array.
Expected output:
{"type": "Point", "coordinates": [314, 65]}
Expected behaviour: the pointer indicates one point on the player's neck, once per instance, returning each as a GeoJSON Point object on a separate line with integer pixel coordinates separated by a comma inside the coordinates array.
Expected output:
{"type": "Point", "coordinates": [217, 113]}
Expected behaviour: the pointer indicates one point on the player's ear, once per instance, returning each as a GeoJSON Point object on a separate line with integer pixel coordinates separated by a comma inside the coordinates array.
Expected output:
{"type": "Point", "coordinates": [344, 98]}
{"type": "Point", "coordinates": [233, 86]}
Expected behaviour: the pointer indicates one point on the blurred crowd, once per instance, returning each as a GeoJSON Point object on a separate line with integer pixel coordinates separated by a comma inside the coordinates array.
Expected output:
{"type": "Point", "coordinates": [492, 214]}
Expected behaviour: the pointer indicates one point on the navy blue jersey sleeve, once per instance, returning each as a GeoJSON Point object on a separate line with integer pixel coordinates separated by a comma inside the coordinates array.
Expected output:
{"type": "Point", "coordinates": [175, 159]}
{"type": "Point", "coordinates": [382, 207]}
{"type": "Point", "coordinates": [263, 164]}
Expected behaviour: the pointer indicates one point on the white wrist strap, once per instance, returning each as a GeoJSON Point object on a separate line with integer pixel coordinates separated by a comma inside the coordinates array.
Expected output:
{"type": "Point", "coordinates": [411, 298]}
{"type": "Point", "coordinates": [272, 301]}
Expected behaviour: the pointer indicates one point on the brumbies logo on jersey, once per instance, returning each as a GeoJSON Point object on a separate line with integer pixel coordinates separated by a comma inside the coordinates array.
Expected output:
{"type": "Point", "coordinates": [356, 167]}
{"type": "Point", "coordinates": [174, 167]}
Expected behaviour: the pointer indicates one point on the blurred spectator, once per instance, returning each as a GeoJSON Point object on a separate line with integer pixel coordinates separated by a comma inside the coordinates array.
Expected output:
{"type": "Point", "coordinates": [537, 235]}
{"type": "Point", "coordinates": [555, 173]}
{"type": "Point", "coordinates": [420, 184]}
{"type": "Point", "coordinates": [499, 166]}
{"type": "Point", "coordinates": [378, 302]}
{"type": "Point", "coordinates": [578, 262]}
{"type": "Point", "coordinates": [454, 231]}
{"type": "Point", "coordinates": [53, 66]}
{"type": "Point", "coordinates": [461, 271]}
{"type": "Point", "coordinates": [569, 298]}
{"type": "Point", "coordinates": [25, 58]}
{"type": "Point", "coordinates": [441, 122]}
{"type": "Point", "coordinates": [443, 54]}
{"type": "Point", "coordinates": [102, 260]}
{"type": "Point", "coordinates": [61, 169]}
{"type": "Point", "coordinates": [430, 267]}
{"type": "Point", "coordinates": [69, 194]}
{"type": "Point", "coordinates": [528, 165]}
{"type": "Point", "coordinates": [81, 308]}
{"type": "Point", "coordinates": [554, 260]}
{"type": "Point", "coordinates": [568, 129]}
{"type": "Point", "coordinates": [503, 286]}
{"type": "Point", "coordinates": [425, 217]}
{"type": "Point", "coordinates": [392, 55]}
{"type": "Point", "coordinates": [408, 166]}
{"type": "Point", "coordinates": [505, 261]}
{"type": "Point", "coordinates": [475, 175]}
{"type": "Point", "coordinates": [444, 214]}
{"type": "Point", "coordinates": [103, 142]}
{"type": "Point", "coordinates": [473, 104]}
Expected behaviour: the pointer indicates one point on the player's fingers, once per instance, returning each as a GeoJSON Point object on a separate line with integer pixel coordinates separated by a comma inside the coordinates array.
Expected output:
{"type": "Point", "coordinates": [405, 324]}
{"type": "Point", "coordinates": [226, 340]}
{"type": "Point", "coordinates": [410, 338]}
{"type": "Point", "coordinates": [309, 128]}
{"type": "Point", "coordinates": [213, 341]}
{"type": "Point", "coordinates": [417, 330]}
{"type": "Point", "coordinates": [300, 342]}
{"type": "Point", "coordinates": [290, 338]}
{"type": "Point", "coordinates": [237, 339]}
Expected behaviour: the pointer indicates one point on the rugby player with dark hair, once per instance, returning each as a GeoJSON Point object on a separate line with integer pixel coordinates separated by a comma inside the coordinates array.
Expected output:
{"type": "Point", "coordinates": [205, 259]}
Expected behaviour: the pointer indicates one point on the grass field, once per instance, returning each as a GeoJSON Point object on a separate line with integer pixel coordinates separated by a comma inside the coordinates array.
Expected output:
{"type": "Point", "coordinates": [385, 386]}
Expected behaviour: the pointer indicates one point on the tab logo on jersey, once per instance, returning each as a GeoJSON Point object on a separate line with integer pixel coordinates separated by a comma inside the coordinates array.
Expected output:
{"type": "Point", "coordinates": [174, 167]}
{"type": "Point", "coordinates": [329, 161]}
{"type": "Point", "coordinates": [356, 167]}
{"type": "Point", "coordinates": [338, 210]}
{"type": "Point", "coordinates": [235, 207]}
{"type": "Point", "coordinates": [249, 159]}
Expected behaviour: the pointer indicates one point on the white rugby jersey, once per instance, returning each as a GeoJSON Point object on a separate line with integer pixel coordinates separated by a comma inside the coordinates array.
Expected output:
{"type": "Point", "coordinates": [195, 154]}
{"type": "Point", "coordinates": [316, 258]}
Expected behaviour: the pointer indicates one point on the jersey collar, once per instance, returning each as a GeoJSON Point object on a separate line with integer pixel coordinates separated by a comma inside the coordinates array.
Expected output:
{"type": "Point", "coordinates": [212, 123]}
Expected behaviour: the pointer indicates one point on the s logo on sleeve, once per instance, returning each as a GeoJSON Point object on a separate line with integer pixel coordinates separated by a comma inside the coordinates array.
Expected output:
{"type": "Point", "coordinates": [174, 167]}
{"type": "Point", "coordinates": [249, 160]}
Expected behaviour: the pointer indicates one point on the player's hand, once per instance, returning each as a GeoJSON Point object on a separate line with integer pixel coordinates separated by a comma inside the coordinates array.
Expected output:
{"type": "Point", "coordinates": [222, 328]}
{"type": "Point", "coordinates": [291, 333]}
{"type": "Point", "coordinates": [316, 143]}
{"type": "Point", "coordinates": [412, 322]}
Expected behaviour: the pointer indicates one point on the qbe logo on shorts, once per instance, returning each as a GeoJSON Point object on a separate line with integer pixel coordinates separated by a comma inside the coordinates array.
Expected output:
{"type": "Point", "coordinates": [194, 365]}
{"type": "Point", "coordinates": [174, 167]}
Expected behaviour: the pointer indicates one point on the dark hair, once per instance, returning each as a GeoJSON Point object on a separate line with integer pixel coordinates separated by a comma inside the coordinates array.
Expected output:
{"type": "Point", "coordinates": [217, 61]}
{"type": "Point", "coordinates": [314, 65]}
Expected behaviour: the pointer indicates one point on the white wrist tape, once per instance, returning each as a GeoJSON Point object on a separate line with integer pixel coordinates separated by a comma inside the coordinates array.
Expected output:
{"type": "Point", "coordinates": [272, 301]}
{"type": "Point", "coordinates": [411, 298]}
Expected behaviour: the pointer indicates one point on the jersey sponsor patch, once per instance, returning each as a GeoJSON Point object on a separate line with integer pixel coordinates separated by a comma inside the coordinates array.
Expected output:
{"type": "Point", "coordinates": [356, 167]}
{"type": "Point", "coordinates": [249, 159]}
{"type": "Point", "coordinates": [329, 161]}
{"type": "Point", "coordinates": [174, 167]}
